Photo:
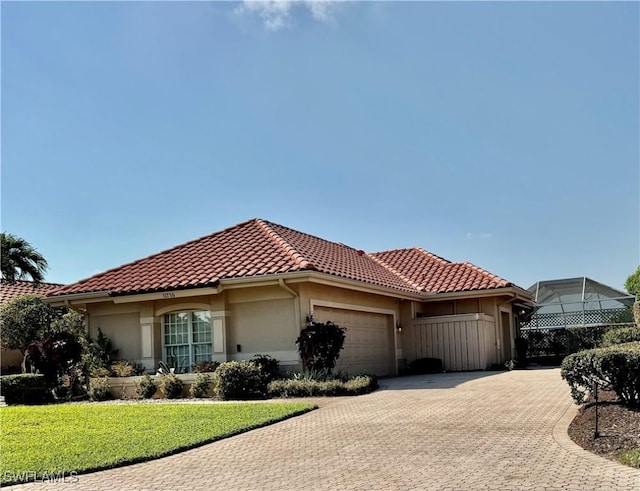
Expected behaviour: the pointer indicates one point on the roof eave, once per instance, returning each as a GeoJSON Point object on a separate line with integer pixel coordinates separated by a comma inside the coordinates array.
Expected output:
{"type": "Point", "coordinates": [515, 292]}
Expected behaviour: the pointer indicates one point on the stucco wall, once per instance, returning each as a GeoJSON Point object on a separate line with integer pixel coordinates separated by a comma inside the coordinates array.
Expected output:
{"type": "Point", "coordinates": [124, 331]}
{"type": "Point", "coordinates": [11, 358]}
{"type": "Point", "coordinates": [263, 326]}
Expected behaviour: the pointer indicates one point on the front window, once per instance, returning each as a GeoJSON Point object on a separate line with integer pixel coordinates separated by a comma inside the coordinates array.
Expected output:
{"type": "Point", "coordinates": [187, 339]}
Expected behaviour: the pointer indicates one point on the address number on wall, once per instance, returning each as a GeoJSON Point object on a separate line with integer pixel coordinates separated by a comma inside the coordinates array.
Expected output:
{"type": "Point", "coordinates": [168, 295]}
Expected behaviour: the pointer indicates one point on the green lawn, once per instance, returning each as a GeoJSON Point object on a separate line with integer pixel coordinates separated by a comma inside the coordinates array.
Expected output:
{"type": "Point", "coordinates": [83, 437]}
{"type": "Point", "coordinates": [631, 457]}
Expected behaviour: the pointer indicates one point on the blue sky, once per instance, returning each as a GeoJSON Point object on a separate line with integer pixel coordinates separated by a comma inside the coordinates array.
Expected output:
{"type": "Point", "coordinates": [505, 134]}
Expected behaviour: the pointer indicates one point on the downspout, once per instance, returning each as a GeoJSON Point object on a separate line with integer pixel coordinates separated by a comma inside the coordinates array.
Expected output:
{"type": "Point", "coordinates": [296, 305]}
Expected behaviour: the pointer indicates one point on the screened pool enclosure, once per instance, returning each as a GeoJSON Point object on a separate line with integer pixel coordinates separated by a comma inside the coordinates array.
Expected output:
{"type": "Point", "coordinates": [574, 302]}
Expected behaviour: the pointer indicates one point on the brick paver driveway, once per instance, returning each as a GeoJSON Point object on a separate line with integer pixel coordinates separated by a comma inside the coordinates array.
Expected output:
{"type": "Point", "coordinates": [442, 432]}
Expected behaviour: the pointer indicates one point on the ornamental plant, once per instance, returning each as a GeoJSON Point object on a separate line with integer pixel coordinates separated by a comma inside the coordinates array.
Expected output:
{"type": "Point", "coordinates": [614, 368]}
{"type": "Point", "coordinates": [319, 345]}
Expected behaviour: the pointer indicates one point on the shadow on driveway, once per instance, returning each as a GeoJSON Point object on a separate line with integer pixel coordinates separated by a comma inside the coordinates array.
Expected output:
{"type": "Point", "coordinates": [434, 381]}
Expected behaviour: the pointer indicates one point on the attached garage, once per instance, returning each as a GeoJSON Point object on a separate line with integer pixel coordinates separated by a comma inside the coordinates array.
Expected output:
{"type": "Point", "coordinates": [369, 342]}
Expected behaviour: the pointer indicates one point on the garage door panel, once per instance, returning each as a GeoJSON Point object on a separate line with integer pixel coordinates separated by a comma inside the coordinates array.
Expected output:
{"type": "Point", "coordinates": [368, 342]}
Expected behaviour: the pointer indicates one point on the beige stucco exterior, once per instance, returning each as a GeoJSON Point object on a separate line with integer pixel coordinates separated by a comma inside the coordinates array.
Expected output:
{"type": "Point", "coordinates": [265, 317]}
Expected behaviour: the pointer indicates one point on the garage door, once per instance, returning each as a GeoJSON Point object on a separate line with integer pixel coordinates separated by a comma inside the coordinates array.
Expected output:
{"type": "Point", "coordinates": [368, 346]}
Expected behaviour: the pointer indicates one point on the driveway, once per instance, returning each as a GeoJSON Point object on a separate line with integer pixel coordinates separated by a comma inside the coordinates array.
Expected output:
{"type": "Point", "coordinates": [471, 431]}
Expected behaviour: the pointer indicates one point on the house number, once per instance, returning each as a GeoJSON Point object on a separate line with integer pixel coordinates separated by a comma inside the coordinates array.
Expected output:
{"type": "Point", "coordinates": [169, 295]}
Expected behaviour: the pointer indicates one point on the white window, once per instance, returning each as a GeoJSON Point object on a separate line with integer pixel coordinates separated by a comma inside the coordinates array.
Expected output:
{"type": "Point", "coordinates": [187, 339]}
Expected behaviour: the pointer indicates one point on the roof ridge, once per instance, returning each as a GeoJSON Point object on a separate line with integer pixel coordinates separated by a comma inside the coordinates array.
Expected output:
{"type": "Point", "coordinates": [484, 271]}
{"type": "Point", "coordinates": [395, 272]}
{"type": "Point", "coordinates": [432, 255]}
{"type": "Point", "coordinates": [284, 246]}
{"type": "Point", "coordinates": [3, 281]}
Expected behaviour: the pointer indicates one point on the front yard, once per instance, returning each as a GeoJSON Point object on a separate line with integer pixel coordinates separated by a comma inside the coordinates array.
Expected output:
{"type": "Point", "coordinates": [82, 437]}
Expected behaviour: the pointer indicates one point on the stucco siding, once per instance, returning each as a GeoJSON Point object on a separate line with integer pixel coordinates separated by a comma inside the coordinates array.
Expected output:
{"type": "Point", "coordinates": [123, 330]}
{"type": "Point", "coordinates": [266, 327]}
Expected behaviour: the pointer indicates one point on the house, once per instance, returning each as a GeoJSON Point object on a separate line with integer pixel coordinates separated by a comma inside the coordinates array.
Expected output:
{"type": "Point", "coordinates": [251, 288]}
{"type": "Point", "coordinates": [9, 291]}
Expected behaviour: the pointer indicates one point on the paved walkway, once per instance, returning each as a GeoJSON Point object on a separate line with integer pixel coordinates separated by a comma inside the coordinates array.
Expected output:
{"type": "Point", "coordinates": [473, 431]}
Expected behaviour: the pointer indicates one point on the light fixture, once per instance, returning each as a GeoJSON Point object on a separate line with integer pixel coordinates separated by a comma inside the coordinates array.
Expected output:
{"type": "Point", "coordinates": [398, 328]}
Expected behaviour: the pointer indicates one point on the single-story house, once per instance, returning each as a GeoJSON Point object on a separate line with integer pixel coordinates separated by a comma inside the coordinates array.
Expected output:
{"type": "Point", "coordinates": [251, 288]}
{"type": "Point", "coordinates": [9, 291]}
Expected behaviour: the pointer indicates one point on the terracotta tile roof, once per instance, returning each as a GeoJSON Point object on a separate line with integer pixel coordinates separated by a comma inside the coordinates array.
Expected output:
{"type": "Point", "coordinates": [9, 291]}
{"type": "Point", "coordinates": [259, 248]}
{"type": "Point", "coordinates": [253, 248]}
{"type": "Point", "coordinates": [433, 274]}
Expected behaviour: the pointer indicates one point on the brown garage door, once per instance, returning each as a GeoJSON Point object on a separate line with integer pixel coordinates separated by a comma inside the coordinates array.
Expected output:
{"type": "Point", "coordinates": [368, 346]}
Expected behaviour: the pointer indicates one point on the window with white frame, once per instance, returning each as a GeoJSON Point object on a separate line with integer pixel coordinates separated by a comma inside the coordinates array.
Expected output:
{"type": "Point", "coordinates": [187, 339]}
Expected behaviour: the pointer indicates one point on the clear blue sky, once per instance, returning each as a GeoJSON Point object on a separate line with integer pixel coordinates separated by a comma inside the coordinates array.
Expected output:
{"type": "Point", "coordinates": [505, 134]}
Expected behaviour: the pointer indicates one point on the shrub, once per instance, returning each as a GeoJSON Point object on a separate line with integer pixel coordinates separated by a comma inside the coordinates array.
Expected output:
{"type": "Point", "coordinates": [205, 366]}
{"type": "Point", "coordinates": [615, 368]}
{"type": "Point", "coordinates": [27, 388]}
{"type": "Point", "coordinates": [99, 352]}
{"type": "Point", "coordinates": [99, 389]}
{"type": "Point", "coordinates": [242, 381]}
{"type": "Point", "coordinates": [58, 359]}
{"type": "Point", "coordinates": [269, 365]}
{"type": "Point", "coordinates": [307, 387]}
{"type": "Point", "coordinates": [100, 372]}
{"type": "Point", "coordinates": [636, 312]}
{"type": "Point", "coordinates": [319, 345]}
{"type": "Point", "coordinates": [426, 365]}
{"type": "Point", "coordinates": [588, 337]}
{"type": "Point", "coordinates": [200, 387]}
{"type": "Point", "coordinates": [122, 369]}
{"type": "Point", "coordinates": [621, 336]}
{"type": "Point", "coordinates": [170, 385]}
{"type": "Point", "coordinates": [146, 387]}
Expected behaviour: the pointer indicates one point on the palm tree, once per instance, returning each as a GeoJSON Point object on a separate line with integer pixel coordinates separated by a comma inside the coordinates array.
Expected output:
{"type": "Point", "coordinates": [20, 260]}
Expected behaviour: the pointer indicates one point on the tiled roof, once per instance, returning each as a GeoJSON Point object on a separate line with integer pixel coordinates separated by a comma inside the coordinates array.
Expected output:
{"type": "Point", "coordinates": [9, 291]}
{"type": "Point", "coordinates": [433, 274]}
{"type": "Point", "coordinates": [259, 248]}
{"type": "Point", "coordinates": [253, 248]}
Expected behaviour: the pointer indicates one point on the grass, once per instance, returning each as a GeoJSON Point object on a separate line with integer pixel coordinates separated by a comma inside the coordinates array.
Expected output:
{"type": "Point", "coordinates": [630, 457]}
{"type": "Point", "coordinates": [84, 437]}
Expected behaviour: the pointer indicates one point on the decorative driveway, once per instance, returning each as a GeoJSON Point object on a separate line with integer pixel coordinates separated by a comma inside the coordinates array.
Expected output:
{"type": "Point", "coordinates": [458, 431]}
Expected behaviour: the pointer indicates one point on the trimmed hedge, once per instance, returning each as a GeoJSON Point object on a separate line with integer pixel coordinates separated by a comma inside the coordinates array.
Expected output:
{"type": "Point", "coordinates": [25, 388]}
{"type": "Point", "coordinates": [621, 336]}
{"type": "Point", "coordinates": [322, 388]}
{"type": "Point", "coordinates": [616, 368]}
{"type": "Point", "coordinates": [240, 381]}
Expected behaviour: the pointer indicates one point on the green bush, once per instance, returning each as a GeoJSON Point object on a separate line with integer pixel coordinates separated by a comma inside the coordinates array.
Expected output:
{"type": "Point", "coordinates": [205, 366]}
{"type": "Point", "coordinates": [122, 369]}
{"type": "Point", "coordinates": [589, 337]}
{"type": "Point", "coordinates": [269, 365]}
{"type": "Point", "coordinates": [240, 380]}
{"type": "Point", "coordinates": [100, 372]}
{"type": "Point", "coordinates": [146, 387]}
{"type": "Point", "coordinates": [614, 368]}
{"type": "Point", "coordinates": [99, 389]}
{"type": "Point", "coordinates": [621, 336]}
{"type": "Point", "coordinates": [200, 387]}
{"type": "Point", "coordinates": [308, 387]}
{"type": "Point", "coordinates": [27, 388]}
{"type": "Point", "coordinates": [170, 385]}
